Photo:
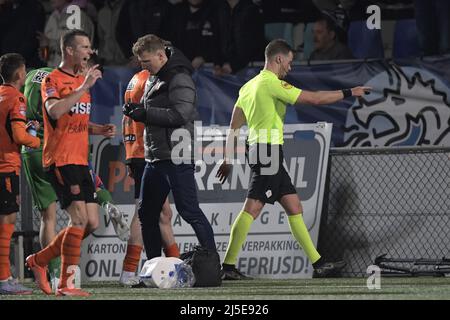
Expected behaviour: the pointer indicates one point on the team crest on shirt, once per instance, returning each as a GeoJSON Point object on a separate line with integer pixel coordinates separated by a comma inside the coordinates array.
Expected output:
{"type": "Point", "coordinates": [65, 91]}
{"type": "Point", "coordinates": [286, 85]}
{"type": "Point", "coordinates": [39, 76]}
{"type": "Point", "coordinates": [268, 193]}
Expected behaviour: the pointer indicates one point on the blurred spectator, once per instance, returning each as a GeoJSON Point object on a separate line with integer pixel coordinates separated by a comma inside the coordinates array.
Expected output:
{"type": "Point", "coordinates": [345, 10]}
{"type": "Point", "coordinates": [241, 35]}
{"type": "Point", "coordinates": [19, 21]}
{"type": "Point", "coordinates": [109, 49]}
{"type": "Point", "coordinates": [331, 5]}
{"type": "Point", "coordinates": [91, 11]}
{"type": "Point", "coordinates": [433, 25]}
{"type": "Point", "coordinates": [326, 43]}
{"type": "Point", "coordinates": [341, 12]}
{"type": "Point", "coordinates": [141, 17]}
{"type": "Point", "coordinates": [194, 31]}
{"type": "Point", "coordinates": [287, 11]}
{"type": "Point", "coordinates": [55, 27]}
{"type": "Point", "coordinates": [88, 7]}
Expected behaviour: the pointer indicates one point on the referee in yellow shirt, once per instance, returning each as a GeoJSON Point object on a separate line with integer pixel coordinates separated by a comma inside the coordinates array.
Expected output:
{"type": "Point", "coordinates": [262, 106]}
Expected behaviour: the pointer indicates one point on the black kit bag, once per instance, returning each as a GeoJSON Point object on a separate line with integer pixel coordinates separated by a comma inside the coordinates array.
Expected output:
{"type": "Point", "coordinates": [205, 264]}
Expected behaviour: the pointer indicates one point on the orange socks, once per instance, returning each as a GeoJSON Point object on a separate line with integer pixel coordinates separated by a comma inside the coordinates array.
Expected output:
{"type": "Point", "coordinates": [131, 261]}
{"type": "Point", "coordinates": [172, 251]}
{"type": "Point", "coordinates": [70, 254]}
{"type": "Point", "coordinates": [51, 251]}
{"type": "Point", "coordinates": [6, 231]}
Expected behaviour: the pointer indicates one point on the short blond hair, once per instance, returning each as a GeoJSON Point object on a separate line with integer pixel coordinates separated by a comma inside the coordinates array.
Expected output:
{"type": "Point", "coordinates": [149, 43]}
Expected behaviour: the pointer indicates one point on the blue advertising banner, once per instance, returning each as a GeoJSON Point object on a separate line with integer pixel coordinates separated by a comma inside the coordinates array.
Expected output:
{"type": "Point", "coordinates": [409, 104]}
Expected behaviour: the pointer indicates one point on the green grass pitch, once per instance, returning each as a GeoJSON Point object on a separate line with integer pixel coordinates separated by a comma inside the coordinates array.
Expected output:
{"type": "Point", "coordinates": [408, 288]}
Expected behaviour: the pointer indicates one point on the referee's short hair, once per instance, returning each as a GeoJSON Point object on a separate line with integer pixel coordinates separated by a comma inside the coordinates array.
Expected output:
{"type": "Point", "coordinates": [277, 46]}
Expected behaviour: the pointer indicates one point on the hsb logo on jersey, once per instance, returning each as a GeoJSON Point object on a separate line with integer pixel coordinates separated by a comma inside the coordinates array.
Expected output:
{"type": "Point", "coordinates": [81, 108]}
{"type": "Point", "coordinates": [412, 110]}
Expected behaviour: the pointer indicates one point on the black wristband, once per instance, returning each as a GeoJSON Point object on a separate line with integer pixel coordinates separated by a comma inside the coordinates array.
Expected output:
{"type": "Point", "coordinates": [347, 93]}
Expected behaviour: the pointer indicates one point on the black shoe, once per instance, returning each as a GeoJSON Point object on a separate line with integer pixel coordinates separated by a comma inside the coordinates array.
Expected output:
{"type": "Point", "coordinates": [140, 284]}
{"type": "Point", "coordinates": [328, 269]}
{"type": "Point", "coordinates": [234, 274]}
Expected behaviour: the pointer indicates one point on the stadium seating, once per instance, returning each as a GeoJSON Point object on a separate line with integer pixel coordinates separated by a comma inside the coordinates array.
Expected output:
{"type": "Point", "coordinates": [364, 42]}
{"type": "Point", "coordinates": [308, 41]}
{"type": "Point", "coordinates": [406, 41]}
{"type": "Point", "coordinates": [279, 30]}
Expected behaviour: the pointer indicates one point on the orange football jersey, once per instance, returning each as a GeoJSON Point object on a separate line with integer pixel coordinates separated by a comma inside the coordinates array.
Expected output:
{"type": "Point", "coordinates": [133, 131]}
{"type": "Point", "coordinates": [13, 106]}
{"type": "Point", "coordinates": [66, 140]}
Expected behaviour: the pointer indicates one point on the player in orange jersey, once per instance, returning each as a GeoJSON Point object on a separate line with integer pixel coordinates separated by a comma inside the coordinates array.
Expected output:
{"type": "Point", "coordinates": [13, 133]}
{"type": "Point", "coordinates": [66, 109]}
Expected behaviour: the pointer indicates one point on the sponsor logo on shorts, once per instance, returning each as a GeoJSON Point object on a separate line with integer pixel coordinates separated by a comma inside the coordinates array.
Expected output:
{"type": "Point", "coordinates": [75, 189]}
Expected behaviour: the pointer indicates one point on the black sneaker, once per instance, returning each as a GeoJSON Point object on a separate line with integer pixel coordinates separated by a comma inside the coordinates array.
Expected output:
{"type": "Point", "coordinates": [140, 284]}
{"type": "Point", "coordinates": [329, 269]}
{"type": "Point", "coordinates": [234, 274]}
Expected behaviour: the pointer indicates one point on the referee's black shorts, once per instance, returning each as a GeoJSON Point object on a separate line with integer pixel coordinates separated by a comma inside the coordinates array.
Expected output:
{"type": "Point", "coordinates": [269, 181]}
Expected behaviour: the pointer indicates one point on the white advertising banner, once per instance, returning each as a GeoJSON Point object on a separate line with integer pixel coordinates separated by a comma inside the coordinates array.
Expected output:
{"type": "Point", "coordinates": [270, 250]}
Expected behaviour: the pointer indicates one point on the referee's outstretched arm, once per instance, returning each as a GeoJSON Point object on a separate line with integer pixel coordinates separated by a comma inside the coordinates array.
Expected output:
{"type": "Point", "coordinates": [327, 97]}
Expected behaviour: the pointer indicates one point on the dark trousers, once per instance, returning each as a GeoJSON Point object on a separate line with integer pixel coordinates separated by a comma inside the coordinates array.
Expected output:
{"type": "Point", "coordinates": [157, 181]}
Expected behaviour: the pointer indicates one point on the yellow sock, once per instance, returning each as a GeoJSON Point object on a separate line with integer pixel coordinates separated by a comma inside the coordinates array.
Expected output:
{"type": "Point", "coordinates": [238, 234]}
{"type": "Point", "coordinates": [301, 234]}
